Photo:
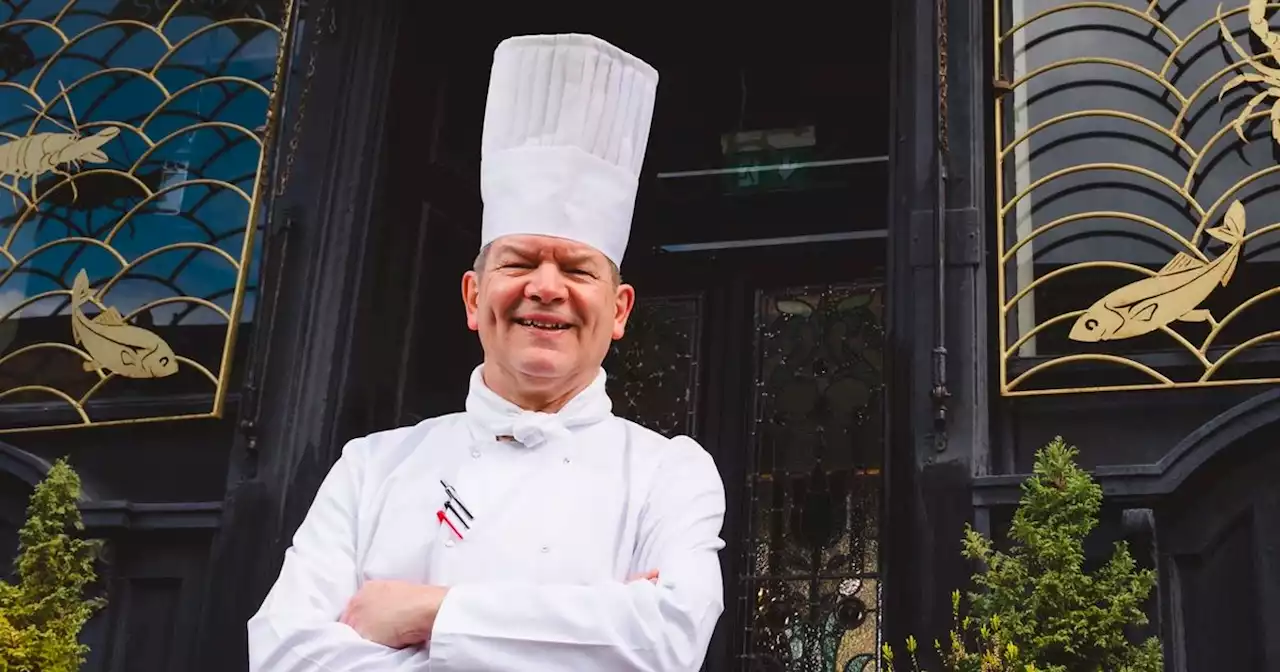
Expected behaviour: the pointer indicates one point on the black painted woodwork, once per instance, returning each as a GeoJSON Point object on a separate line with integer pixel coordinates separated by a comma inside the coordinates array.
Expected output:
{"type": "Point", "coordinates": [930, 466]}
{"type": "Point", "coordinates": [197, 514]}
{"type": "Point", "coordinates": [307, 374]}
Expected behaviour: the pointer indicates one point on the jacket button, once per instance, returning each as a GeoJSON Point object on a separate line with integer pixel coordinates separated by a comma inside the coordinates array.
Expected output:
{"type": "Point", "coordinates": [448, 543]}
{"type": "Point", "coordinates": [475, 453]}
{"type": "Point", "coordinates": [546, 549]}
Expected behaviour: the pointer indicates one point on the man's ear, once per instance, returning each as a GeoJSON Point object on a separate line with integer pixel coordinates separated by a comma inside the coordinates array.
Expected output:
{"type": "Point", "coordinates": [624, 301]}
{"type": "Point", "coordinates": [471, 298]}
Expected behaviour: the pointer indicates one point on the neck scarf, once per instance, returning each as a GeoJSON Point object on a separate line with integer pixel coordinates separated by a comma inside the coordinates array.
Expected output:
{"type": "Point", "coordinates": [500, 417]}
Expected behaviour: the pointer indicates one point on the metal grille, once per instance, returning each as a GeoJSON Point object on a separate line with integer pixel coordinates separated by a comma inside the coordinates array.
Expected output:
{"type": "Point", "coordinates": [1136, 148]}
{"type": "Point", "coordinates": [131, 177]}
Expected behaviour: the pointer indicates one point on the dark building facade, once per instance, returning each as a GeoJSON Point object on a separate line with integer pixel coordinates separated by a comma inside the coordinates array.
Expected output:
{"type": "Point", "coordinates": [883, 254]}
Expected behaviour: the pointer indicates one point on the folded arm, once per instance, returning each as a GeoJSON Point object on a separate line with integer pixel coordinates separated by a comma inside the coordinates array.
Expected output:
{"type": "Point", "coordinates": [640, 626]}
{"type": "Point", "coordinates": [297, 628]}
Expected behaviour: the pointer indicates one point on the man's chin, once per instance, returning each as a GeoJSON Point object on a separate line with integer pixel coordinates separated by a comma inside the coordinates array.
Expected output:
{"type": "Point", "coordinates": [538, 363]}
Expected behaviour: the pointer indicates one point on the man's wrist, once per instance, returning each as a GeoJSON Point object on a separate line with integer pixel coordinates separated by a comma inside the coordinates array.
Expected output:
{"type": "Point", "coordinates": [430, 599]}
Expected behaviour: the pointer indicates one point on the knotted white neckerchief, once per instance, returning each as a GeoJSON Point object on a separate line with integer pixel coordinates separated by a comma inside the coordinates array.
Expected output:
{"type": "Point", "coordinates": [534, 428]}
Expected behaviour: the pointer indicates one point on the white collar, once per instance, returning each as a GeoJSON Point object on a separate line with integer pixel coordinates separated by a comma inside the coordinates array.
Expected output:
{"type": "Point", "coordinates": [497, 416]}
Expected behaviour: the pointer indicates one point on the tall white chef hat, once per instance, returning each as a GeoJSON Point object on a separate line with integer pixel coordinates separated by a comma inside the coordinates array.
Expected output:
{"type": "Point", "coordinates": [566, 125]}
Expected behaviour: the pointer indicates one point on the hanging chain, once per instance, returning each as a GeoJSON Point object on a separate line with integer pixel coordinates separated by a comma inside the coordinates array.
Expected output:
{"type": "Point", "coordinates": [257, 373]}
{"type": "Point", "coordinates": [942, 78]}
{"type": "Point", "coordinates": [317, 35]}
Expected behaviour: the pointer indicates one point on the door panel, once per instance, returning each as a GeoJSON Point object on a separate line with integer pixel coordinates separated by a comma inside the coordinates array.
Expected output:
{"type": "Point", "coordinates": [1219, 561]}
{"type": "Point", "coordinates": [813, 482]}
{"type": "Point", "coordinates": [747, 162]}
{"type": "Point", "coordinates": [787, 394]}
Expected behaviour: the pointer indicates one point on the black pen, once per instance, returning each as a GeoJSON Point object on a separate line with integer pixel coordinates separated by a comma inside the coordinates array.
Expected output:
{"type": "Point", "coordinates": [449, 505]}
{"type": "Point", "coordinates": [448, 489]}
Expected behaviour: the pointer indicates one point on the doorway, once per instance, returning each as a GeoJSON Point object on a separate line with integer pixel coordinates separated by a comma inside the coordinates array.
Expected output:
{"type": "Point", "coordinates": [758, 255]}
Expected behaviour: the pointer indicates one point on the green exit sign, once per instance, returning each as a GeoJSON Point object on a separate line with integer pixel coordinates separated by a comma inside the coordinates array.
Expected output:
{"type": "Point", "coordinates": [763, 161]}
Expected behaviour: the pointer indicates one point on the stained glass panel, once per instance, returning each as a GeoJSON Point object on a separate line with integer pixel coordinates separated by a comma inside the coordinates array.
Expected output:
{"type": "Point", "coordinates": [813, 485]}
{"type": "Point", "coordinates": [652, 370]}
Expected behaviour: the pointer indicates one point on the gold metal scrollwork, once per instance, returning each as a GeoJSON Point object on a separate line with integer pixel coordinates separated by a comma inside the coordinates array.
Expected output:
{"type": "Point", "coordinates": [129, 174]}
{"type": "Point", "coordinates": [1158, 299]}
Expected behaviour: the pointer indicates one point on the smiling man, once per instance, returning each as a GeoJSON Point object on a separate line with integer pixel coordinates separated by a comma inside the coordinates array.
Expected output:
{"type": "Point", "coordinates": [535, 530]}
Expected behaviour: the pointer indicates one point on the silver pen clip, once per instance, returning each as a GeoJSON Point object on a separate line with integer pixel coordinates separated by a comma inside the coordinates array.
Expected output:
{"type": "Point", "coordinates": [453, 495]}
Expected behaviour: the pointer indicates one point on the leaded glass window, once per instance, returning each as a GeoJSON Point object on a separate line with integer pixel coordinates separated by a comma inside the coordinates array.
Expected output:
{"type": "Point", "coordinates": [653, 370]}
{"type": "Point", "coordinates": [814, 481]}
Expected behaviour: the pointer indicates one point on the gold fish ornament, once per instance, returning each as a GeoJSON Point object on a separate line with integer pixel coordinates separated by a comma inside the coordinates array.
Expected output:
{"type": "Point", "coordinates": [1172, 294]}
{"type": "Point", "coordinates": [114, 345]}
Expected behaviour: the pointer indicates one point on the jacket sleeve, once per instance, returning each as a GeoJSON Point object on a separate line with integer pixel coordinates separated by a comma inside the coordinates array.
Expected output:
{"type": "Point", "coordinates": [621, 627]}
{"type": "Point", "coordinates": [297, 629]}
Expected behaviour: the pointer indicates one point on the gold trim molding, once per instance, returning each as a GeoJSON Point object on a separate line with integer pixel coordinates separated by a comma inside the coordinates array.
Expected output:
{"type": "Point", "coordinates": [1160, 301]}
{"type": "Point", "coordinates": [54, 168]}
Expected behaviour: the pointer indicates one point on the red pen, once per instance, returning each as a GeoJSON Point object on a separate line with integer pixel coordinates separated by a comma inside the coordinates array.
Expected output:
{"type": "Point", "coordinates": [445, 519]}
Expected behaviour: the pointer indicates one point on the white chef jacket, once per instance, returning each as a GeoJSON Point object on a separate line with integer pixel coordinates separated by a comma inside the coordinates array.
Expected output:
{"type": "Point", "coordinates": [562, 516]}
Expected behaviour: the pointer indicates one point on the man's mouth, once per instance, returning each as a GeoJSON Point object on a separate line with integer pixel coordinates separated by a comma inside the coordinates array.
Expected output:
{"type": "Point", "coordinates": [539, 324]}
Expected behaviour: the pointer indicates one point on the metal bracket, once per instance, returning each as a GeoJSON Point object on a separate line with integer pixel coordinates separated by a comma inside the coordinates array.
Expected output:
{"type": "Point", "coordinates": [964, 238]}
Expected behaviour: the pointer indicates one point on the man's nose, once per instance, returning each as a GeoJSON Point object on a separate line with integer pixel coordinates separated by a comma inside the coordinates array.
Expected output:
{"type": "Point", "coordinates": [546, 284]}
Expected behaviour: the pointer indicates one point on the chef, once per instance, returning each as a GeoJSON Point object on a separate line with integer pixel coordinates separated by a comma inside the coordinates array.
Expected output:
{"type": "Point", "coordinates": [535, 530]}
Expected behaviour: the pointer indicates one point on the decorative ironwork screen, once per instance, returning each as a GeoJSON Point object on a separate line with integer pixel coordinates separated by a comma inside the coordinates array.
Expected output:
{"type": "Point", "coordinates": [653, 369]}
{"type": "Point", "coordinates": [1136, 155]}
{"type": "Point", "coordinates": [131, 169]}
{"type": "Point", "coordinates": [812, 580]}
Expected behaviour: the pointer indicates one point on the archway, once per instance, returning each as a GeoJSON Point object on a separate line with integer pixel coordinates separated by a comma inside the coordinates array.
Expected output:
{"type": "Point", "coordinates": [1219, 539]}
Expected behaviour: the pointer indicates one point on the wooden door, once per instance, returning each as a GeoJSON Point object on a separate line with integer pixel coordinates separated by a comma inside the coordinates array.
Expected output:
{"type": "Point", "coordinates": [757, 252]}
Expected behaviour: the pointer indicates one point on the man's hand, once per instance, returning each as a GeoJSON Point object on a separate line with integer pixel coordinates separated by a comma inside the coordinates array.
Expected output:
{"type": "Point", "coordinates": [399, 614]}
{"type": "Point", "coordinates": [394, 613]}
{"type": "Point", "coordinates": [651, 576]}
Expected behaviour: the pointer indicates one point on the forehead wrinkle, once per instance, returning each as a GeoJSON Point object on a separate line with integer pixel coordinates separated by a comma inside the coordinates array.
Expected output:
{"type": "Point", "coordinates": [561, 253]}
{"type": "Point", "coordinates": [579, 258]}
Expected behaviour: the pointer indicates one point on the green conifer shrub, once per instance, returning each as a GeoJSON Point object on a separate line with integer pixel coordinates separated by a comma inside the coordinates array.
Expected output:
{"type": "Point", "coordinates": [41, 615]}
{"type": "Point", "coordinates": [1036, 608]}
